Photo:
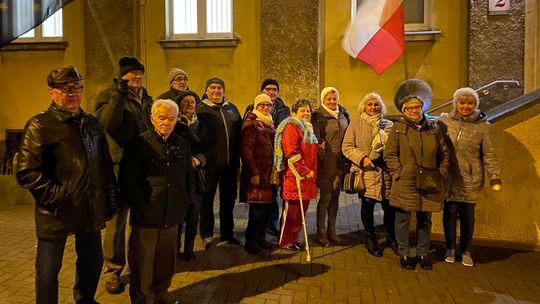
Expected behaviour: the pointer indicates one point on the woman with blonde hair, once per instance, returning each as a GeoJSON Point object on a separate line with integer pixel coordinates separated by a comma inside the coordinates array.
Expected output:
{"type": "Point", "coordinates": [364, 144]}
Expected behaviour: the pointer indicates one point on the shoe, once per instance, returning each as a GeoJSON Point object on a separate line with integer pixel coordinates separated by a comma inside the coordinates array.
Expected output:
{"type": "Point", "coordinates": [450, 256]}
{"type": "Point", "coordinates": [252, 248]}
{"type": "Point", "coordinates": [372, 246]}
{"type": "Point", "coordinates": [233, 241]}
{"type": "Point", "coordinates": [263, 244]}
{"type": "Point", "coordinates": [407, 262]}
{"type": "Point", "coordinates": [424, 263]}
{"type": "Point", "coordinates": [114, 286]}
{"type": "Point", "coordinates": [207, 242]}
{"type": "Point", "coordinates": [321, 238]}
{"type": "Point", "coordinates": [392, 243]}
{"type": "Point", "coordinates": [333, 237]}
{"type": "Point", "coordinates": [188, 256]}
{"type": "Point", "coordinates": [297, 247]}
{"type": "Point", "coordinates": [466, 259]}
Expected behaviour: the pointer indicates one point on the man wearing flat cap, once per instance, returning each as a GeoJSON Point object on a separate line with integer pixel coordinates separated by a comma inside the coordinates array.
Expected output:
{"type": "Point", "coordinates": [178, 82]}
{"type": "Point", "coordinates": [223, 123]}
{"type": "Point", "coordinates": [124, 111]}
{"type": "Point", "coordinates": [64, 162]}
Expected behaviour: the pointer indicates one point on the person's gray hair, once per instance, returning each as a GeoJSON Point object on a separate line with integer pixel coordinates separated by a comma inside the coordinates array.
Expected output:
{"type": "Point", "coordinates": [368, 97]}
{"type": "Point", "coordinates": [301, 102]}
{"type": "Point", "coordinates": [160, 103]}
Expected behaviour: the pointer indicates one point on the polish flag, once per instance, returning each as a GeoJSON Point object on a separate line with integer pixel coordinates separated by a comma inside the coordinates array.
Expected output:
{"type": "Point", "coordinates": [376, 35]}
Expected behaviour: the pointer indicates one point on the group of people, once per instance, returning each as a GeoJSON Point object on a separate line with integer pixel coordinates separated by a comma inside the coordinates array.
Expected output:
{"type": "Point", "coordinates": [161, 161]}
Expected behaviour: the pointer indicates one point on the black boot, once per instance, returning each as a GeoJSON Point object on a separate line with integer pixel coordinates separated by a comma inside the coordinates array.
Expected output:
{"type": "Point", "coordinates": [391, 243]}
{"type": "Point", "coordinates": [407, 262]}
{"type": "Point", "coordinates": [372, 246]}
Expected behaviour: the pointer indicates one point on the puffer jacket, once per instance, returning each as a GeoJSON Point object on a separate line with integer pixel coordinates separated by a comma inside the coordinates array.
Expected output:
{"type": "Point", "coordinates": [356, 146]}
{"type": "Point", "coordinates": [471, 154]}
{"type": "Point", "coordinates": [293, 143]}
{"type": "Point", "coordinates": [64, 161]}
{"type": "Point", "coordinates": [257, 153]}
{"type": "Point", "coordinates": [124, 116]}
{"type": "Point", "coordinates": [332, 164]}
{"type": "Point", "coordinates": [430, 150]}
{"type": "Point", "coordinates": [224, 124]}
{"type": "Point", "coordinates": [156, 179]}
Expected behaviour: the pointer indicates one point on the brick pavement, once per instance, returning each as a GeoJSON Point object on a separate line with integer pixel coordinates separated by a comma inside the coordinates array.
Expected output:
{"type": "Point", "coordinates": [336, 275]}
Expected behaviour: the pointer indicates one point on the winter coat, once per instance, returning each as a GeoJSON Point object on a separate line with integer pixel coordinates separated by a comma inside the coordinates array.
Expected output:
{"type": "Point", "coordinates": [331, 162]}
{"type": "Point", "coordinates": [64, 161]}
{"type": "Point", "coordinates": [279, 111]}
{"type": "Point", "coordinates": [356, 146]}
{"type": "Point", "coordinates": [471, 154]}
{"type": "Point", "coordinates": [257, 153]}
{"type": "Point", "coordinates": [430, 150]}
{"type": "Point", "coordinates": [292, 144]}
{"type": "Point", "coordinates": [224, 124]}
{"type": "Point", "coordinates": [156, 179]}
{"type": "Point", "coordinates": [123, 117]}
{"type": "Point", "coordinates": [170, 94]}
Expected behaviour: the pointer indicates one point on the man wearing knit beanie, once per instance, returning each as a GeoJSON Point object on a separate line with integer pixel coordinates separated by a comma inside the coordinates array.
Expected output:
{"type": "Point", "coordinates": [223, 121]}
{"type": "Point", "coordinates": [178, 82]}
{"type": "Point", "coordinates": [124, 111]}
{"type": "Point", "coordinates": [279, 112]}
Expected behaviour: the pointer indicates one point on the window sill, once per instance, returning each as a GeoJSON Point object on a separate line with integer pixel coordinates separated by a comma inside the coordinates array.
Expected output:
{"type": "Point", "coordinates": [430, 35]}
{"type": "Point", "coordinates": [199, 43]}
{"type": "Point", "coordinates": [36, 46]}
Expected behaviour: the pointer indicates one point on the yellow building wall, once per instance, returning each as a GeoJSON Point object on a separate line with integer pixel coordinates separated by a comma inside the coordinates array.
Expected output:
{"type": "Point", "coordinates": [237, 66]}
{"type": "Point", "coordinates": [441, 63]}
{"type": "Point", "coordinates": [23, 74]}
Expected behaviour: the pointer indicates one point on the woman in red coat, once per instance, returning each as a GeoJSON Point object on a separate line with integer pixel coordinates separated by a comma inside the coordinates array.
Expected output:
{"type": "Point", "coordinates": [294, 136]}
{"type": "Point", "coordinates": [257, 153]}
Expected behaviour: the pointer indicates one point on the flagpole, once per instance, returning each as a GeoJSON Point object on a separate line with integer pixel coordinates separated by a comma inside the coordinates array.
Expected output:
{"type": "Point", "coordinates": [406, 69]}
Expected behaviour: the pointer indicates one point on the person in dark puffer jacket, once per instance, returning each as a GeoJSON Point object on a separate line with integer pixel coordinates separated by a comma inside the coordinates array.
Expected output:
{"type": "Point", "coordinates": [472, 154]}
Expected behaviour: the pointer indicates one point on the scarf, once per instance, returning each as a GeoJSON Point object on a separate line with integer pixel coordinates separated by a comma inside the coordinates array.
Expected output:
{"type": "Point", "coordinates": [216, 105]}
{"type": "Point", "coordinates": [379, 137]}
{"type": "Point", "coordinates": [331, 112]}
{"type": "Point", "coordinates": [265, 119]}
{"type": "Point", "coordinates": [189, 120]}
{"type": "Point", "coordinates": [305, 127]}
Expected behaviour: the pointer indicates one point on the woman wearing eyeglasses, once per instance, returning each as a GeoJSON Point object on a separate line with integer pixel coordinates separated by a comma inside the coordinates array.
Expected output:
{"type": "Point", "coordinates": [417, 158]}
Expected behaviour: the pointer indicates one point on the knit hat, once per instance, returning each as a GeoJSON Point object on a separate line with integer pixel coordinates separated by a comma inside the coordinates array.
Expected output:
{"type": "Point", "coordinates": [410, 100]}
{"type": "Point", "coordinates": [215, 80]}
{"type": "Point", "coordinates": [129, 64]}
{"type": "Point", "coordinates": [63, 75]}
{"type": "Point", "coordinates": [466, 91]}
{"type": "Point", "coordinates": [327, 90]}
{"type": "Point", "coordinates": [268, 81]}
{"type": "Point", "coordinates": [175, 72]}
{"type": "Point", "coordinates": [260, 99]}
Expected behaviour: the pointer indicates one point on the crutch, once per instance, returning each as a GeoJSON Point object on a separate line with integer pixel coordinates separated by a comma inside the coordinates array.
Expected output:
{"type": "Point", "coordinates": [291, 162]}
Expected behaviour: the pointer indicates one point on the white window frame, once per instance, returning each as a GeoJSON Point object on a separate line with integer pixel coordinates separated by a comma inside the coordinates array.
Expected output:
{"type": "Point", "coordinates": [409, 27]}
{"type": "Point", "coordinates": [201, 23]}
{"type": "Point", "coordinates": [38, 32]}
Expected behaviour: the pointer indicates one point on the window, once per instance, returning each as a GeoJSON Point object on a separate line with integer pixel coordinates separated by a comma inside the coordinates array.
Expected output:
{"type": "Point", "coordinates": [49, 30]}
{"type": "Point", "coordinates": [199, 19]}
{"type": "Point", "coordinates": [417, 14]}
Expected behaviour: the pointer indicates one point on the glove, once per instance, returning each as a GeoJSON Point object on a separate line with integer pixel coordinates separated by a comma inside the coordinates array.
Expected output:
{"type": "Point", "coordinates": [122, 85]}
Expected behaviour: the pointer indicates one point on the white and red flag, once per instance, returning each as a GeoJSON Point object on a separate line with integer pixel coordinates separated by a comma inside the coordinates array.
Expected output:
{"type": "Point", "coordinates": [376, 34]}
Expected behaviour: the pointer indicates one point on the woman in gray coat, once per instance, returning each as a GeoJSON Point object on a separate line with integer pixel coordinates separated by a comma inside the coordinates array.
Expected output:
{"type": "Point", "coordinates": [414, 143]}
{"type": "Point", "coordinates": [471, 155]}
{"type": "Point", "coordinates": [363, 145]}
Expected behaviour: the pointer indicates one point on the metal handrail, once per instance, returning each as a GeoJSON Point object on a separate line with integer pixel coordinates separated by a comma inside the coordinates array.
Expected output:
{"type": "Point", "coordinates": [479, 90]}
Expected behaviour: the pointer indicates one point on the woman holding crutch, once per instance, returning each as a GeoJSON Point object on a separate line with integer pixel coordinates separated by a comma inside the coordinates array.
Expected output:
{"type": "Point", "coordinates": [296, 152]}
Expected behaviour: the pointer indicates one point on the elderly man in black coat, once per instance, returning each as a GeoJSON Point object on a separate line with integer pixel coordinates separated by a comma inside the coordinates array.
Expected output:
{"type": "Point", "coordinates": [156, 179]}
{"type": "Point", "coordinates": [64, 161]}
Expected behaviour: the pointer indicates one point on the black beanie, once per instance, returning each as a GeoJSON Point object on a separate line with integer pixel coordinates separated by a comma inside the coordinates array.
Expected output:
{"type": "Point", "coordinates": [215, 80]}
{"type": "Point", "coordinates": [129, 64]}
{"type": "Point", "coordinates": [268, 81]}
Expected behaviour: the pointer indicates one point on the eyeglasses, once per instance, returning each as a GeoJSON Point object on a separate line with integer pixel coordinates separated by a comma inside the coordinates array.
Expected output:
{"type": "Point", "coordinates": [178, 79]}
{"type": "Point", "coordinates": [413, 108]}
{"type": "Point", "coordinates": [265, 105]}
{"type": "Point", "coordinates": [70, 89]}
{"type": "Point", "coordinates": [270, 89]}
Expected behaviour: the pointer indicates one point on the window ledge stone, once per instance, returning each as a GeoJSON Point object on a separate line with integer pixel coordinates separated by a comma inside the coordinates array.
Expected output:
{"type": "Point", "coordinates": [36, 46]}
{"type": "Point", "coordinates": [429, 35]}
{"type": "Point", "coordinates": [199, 43]}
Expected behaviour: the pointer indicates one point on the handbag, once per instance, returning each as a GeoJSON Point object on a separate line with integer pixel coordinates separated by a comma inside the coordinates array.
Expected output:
{"type": "Point", "coordinates": [275, 177]}
{"type": "Point", "coordinates": [428, 181]}
{"type": "Point", "coordinates": [200, 180]}
{"type": "Point", "coordinates": [353, 182]}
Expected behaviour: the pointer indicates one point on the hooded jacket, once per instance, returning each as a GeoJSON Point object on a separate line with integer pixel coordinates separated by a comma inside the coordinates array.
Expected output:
{"type": "Point", "coordinates": [472, 156]}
